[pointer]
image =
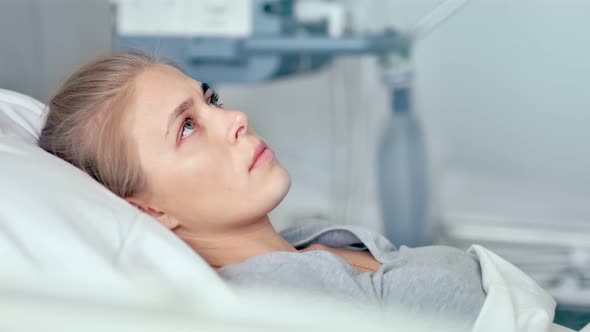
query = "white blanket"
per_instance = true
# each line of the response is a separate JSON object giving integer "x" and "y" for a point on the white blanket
{"x": 514, "y": 301}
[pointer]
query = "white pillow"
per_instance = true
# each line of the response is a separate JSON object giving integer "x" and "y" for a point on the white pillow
{"x": 54, "y": 218}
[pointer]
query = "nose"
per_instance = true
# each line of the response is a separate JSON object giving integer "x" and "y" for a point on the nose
{"x": 238, "y": 125}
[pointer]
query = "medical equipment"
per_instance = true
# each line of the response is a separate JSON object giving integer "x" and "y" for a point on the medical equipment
{"x": 275, "y": 38}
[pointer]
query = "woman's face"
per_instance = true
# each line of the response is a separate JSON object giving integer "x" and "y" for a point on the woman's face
{"x": 206, "y": 168}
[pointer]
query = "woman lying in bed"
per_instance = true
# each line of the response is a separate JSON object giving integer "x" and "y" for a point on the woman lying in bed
{"x": 163, "y": 142}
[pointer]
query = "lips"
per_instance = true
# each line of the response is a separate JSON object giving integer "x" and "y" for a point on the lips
{"x": 260, "y": 148}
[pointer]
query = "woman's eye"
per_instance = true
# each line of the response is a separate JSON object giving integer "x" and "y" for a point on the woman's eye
{"x": 188, "y": 126}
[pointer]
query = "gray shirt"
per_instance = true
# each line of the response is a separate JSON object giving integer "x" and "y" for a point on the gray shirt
{"x": 438, "y": 279}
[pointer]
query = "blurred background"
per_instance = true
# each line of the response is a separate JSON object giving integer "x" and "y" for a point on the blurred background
{"x": 451, "y": 122}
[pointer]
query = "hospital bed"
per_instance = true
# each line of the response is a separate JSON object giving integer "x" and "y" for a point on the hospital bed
{"x": 75, "y": 256}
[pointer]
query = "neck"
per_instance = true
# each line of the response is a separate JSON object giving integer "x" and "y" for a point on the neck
{"x": 236, "y": 245}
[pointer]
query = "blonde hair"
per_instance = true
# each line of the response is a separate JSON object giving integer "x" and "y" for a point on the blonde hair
{"x": 84, "y": 119}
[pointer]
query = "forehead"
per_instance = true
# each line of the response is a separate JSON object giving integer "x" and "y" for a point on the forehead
{"x": 161, "y": 85}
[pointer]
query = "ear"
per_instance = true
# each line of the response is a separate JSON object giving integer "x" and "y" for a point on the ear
{"x": 165, "y": 219}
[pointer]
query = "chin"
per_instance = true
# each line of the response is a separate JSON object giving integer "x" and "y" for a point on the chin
{"x": 275, "y": 191}
{"x": 266, "y": 198}
{"x": 279, "y": 188}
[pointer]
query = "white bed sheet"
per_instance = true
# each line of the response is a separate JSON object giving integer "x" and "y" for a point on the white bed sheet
{"x": 514, "y": 303}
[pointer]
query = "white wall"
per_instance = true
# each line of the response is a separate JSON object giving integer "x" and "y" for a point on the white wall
{"x": 503, "y": 91}
{"x": 41, "y": 41}
{"x": 505, "y": 84}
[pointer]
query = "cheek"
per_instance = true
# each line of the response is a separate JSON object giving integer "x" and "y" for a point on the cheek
{"x": 194, "y": 180}
{"x": 210, "y": 193}
{"x": 193, "y": 173}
